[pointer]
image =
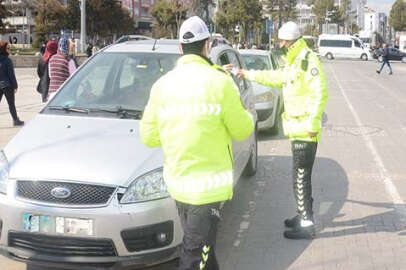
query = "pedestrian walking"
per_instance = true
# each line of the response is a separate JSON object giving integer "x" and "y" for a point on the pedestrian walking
{"x": 305, "y": 94}
{"x": 385, "y": 59}
{"x": 43, "y": 70}
{"x": 58, "y": 67}
{"x": 195, "y": 159}
{"x": 89, "y": 50}
{"x": 95, "y": 48}
{"x": 8, "y": 81}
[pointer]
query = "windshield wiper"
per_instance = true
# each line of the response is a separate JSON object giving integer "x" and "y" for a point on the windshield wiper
{"x": 69, "y": 109}
{"x": 122, "y": 112}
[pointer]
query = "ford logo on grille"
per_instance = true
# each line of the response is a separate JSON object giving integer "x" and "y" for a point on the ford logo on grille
{"x": 60, "y": 192}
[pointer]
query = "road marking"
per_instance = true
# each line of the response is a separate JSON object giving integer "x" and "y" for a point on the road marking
{"x": 383, "y": 172}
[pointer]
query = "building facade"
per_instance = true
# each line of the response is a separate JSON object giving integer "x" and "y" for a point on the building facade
{"x": 371, "y": 20}
{"x": 140, "y": 11}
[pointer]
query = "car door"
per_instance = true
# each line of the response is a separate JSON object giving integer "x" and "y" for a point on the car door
{"x": 243, "y": 149}
{"x": 394, "y": 54}
{"x": 357, "y": 49}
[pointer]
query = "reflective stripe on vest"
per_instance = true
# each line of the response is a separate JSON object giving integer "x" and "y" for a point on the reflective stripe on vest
{"x": 170, "y": 111}
{"x": 200, "y": 184}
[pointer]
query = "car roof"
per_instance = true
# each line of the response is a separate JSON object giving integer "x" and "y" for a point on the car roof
{"x": 254, "y": 52}
{"x": 170, "y": 46}
{"x": 161, "y": 45}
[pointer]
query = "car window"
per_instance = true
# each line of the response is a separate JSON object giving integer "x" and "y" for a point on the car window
{"x": 257, "y": 62}
{"x": 241, "y": 83}
{"x": 223, "y": 60}
{"x": 357, "y": 44}
{"x": 112, "y": 80}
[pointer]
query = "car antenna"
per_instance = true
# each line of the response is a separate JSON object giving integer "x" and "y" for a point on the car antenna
{"x": 153, "y": 47}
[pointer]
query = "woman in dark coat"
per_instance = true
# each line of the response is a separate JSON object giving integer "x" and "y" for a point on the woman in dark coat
{"x": 42, "y": 69}
{"x": 8, "y": 82}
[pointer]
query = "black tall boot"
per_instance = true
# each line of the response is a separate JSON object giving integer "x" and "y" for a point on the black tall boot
{"x": 18, "y": 122}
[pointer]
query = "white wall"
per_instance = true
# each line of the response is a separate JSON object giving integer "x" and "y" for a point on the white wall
{"x": 371, "y": 21}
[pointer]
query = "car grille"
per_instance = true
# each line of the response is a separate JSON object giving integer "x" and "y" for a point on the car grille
{"x": 81, "y": 194}
{"x": 144, "y": 238}
{"x": 61, "y": 246}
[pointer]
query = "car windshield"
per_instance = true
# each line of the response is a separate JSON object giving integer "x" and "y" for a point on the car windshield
{"x": 257, "y": 62}
{"x": 112, "y": 82}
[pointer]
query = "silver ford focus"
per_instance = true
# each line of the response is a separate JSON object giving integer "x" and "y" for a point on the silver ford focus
{"x": 78, "y": 189}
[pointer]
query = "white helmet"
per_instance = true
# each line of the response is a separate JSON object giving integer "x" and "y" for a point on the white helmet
{"x": 192, "y": 30}
{"x": 289, "y": 31}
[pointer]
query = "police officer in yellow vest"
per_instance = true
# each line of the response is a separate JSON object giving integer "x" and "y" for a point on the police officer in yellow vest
{"x": 193, "y": 113}
{"x": 305, "y": 94}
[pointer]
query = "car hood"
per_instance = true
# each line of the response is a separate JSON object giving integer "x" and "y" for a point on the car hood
{"x": 94, "y": 150}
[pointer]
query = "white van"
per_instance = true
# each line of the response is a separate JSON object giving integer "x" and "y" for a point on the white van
{"x": 342, "y": 46}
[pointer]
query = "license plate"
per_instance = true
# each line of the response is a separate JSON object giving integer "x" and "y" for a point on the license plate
{"x": 58, "y": 225}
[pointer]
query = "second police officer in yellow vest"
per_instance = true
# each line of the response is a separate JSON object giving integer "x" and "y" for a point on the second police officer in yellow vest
{"x": 198, "y": 167}
{"x": 304, "y": 90}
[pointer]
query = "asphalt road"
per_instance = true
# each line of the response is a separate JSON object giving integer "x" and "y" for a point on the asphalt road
{"x": 358, "y": 182}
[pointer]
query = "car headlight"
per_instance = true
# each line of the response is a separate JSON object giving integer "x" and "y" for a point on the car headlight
{"x": 265, "y": 97}
{"x": 150, "y": 186}
{"x": 3, "y": 173}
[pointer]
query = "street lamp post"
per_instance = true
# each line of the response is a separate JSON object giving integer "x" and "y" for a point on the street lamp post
{"x": 82, "y": 25}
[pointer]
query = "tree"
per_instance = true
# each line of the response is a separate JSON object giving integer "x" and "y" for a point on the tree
{"x": 73, "y": 15}
{"x": 245, "y": 13}
{"x": 321, "y": 9}
{"x": 345, "y": 11}
{"x": 3, "y": 14}
{"x": 104, "y": 18}
{"x": 179, "y": 10}
{"x": 397, "y": 17}
{"x": 169, "y": 16}
{"x": 162, "y": 12}
{"x": 201, "y": 8}
{"x": 49, "y": 20}
{"x": 281, "y": 11}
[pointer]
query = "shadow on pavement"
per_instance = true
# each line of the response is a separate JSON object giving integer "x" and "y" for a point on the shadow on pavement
{"x": 250, "y": 234}
{"x": 389, "y": 221}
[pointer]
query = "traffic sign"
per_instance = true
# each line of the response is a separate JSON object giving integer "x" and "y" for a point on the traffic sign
{"x": 269, "y": 27}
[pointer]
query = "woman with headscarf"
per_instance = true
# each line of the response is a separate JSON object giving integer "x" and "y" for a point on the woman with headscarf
{"x": 43, "y": 70}
{"x": 8, "y": 82}
{"x": 59, "y": 67}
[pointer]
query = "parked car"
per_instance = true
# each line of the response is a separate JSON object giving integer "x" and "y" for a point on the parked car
{"x": 78, "y": 189}
{"x": 131, "y": 37}
{"x": 394, "y": 55}
{"x": 342, "y": 46}
{"x": 218, "y": 39}
{"x": 268, "y": 101}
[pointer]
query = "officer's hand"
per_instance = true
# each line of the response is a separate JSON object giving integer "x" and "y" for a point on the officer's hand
{"x": 15, "y": 90}
{"x": 241, "y": 74}
{"x": 228, "y": 67}
{"x": 312, "y": 134}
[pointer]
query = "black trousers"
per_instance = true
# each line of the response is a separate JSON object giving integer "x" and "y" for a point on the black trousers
{"x": 199, "y": 223}
{"x": 10, "y": 97}
{"x": 304, "y": 154}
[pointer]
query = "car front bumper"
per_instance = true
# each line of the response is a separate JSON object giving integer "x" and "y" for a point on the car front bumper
{"x": 109, "y": 223}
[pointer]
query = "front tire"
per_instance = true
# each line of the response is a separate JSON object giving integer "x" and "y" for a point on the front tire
{"x": 329, "y": 56}
{"x": 364, "y": 57}
{"x": 252, "y": 165}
